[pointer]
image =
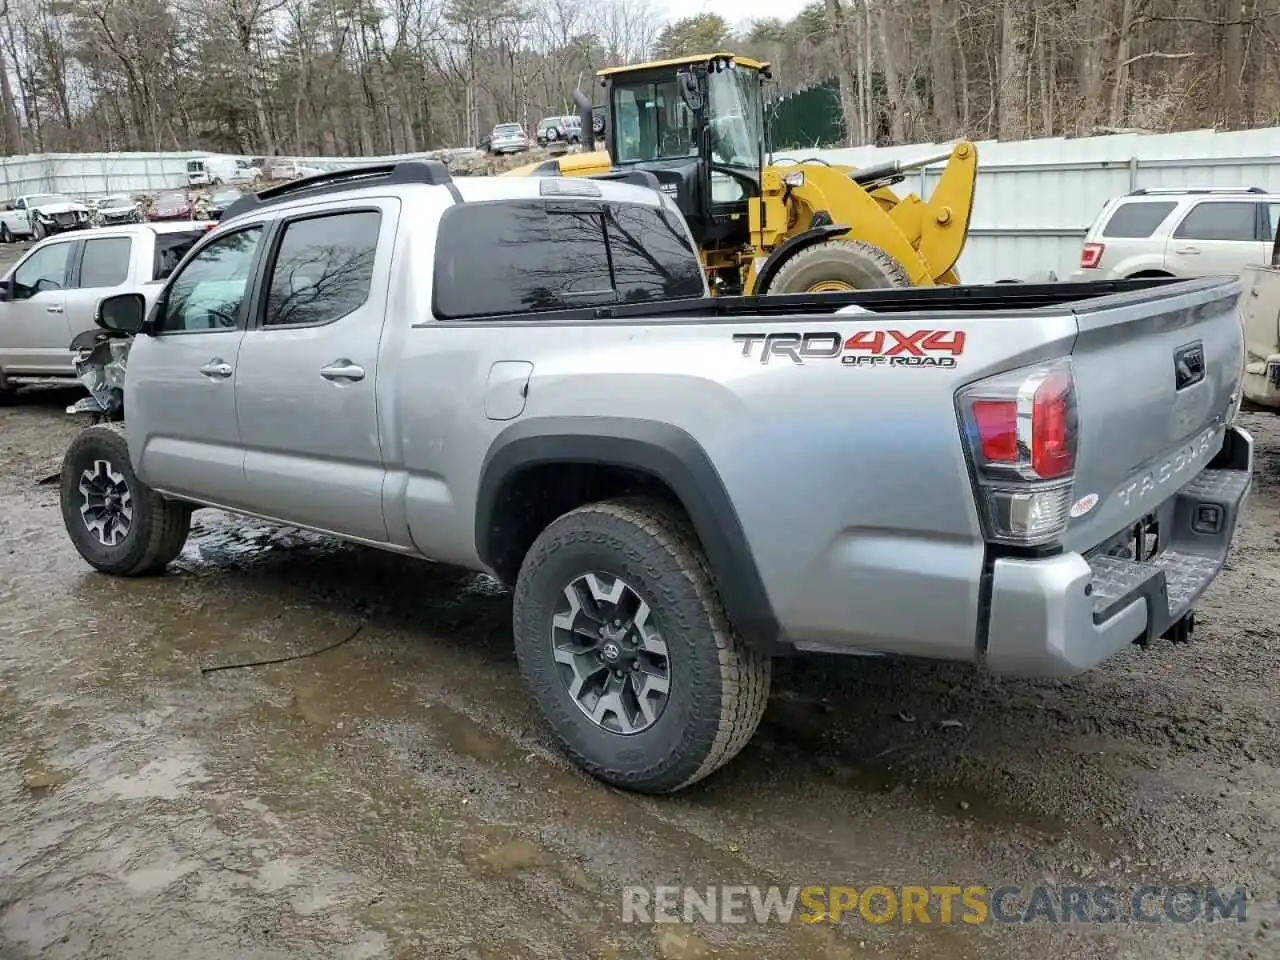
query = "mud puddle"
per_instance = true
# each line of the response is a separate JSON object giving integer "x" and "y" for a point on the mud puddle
{"x": 395, "y": 796}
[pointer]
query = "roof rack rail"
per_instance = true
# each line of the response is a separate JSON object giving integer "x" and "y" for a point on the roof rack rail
{"x": 1156, "y": 191}
{"x": 431, "y": 172}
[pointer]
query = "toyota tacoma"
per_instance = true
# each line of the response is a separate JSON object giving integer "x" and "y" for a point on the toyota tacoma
{"x": 526, "y": 377}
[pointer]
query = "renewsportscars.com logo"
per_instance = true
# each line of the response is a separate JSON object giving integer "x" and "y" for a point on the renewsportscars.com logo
{"x": 865, "y": 348}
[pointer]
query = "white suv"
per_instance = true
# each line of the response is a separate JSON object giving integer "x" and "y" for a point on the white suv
{"x": 1180, "y": 232}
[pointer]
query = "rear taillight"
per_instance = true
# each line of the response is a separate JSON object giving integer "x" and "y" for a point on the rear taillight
{"x": 1020, "y": 428}
{"x": 1091, "y": 255}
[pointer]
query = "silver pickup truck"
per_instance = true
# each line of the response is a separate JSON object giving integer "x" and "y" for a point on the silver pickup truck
{"x": 50, "y": 295}
{"x": 525, "y": 377}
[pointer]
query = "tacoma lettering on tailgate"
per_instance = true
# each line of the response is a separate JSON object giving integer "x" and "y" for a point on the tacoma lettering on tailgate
{"x": 1179, "y": 466}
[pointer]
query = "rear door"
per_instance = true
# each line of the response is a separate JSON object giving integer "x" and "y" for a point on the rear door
{"x": 180, "y": 392}
{"x": 35, "y": 338}
{"x": 307, "y": 373}
{"x": 103, "y": 267}
{"x": 1218, "y": 238}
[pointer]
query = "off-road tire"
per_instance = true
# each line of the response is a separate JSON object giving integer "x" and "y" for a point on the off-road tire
{"x": 862, "y": 265}
{"x": 718, "y": 684}
{"x": 159, "y": 526}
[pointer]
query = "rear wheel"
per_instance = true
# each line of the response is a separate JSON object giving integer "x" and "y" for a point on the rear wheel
{"x": 838, "y": 266}
{"x": 8, "y": 392}
{"x": 5, "y": 235}
{"x": 117, "y": 523}
{"x": 627, "y": 650}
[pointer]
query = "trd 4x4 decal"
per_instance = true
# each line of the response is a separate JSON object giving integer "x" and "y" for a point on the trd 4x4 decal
{"x": 865, "y": 348}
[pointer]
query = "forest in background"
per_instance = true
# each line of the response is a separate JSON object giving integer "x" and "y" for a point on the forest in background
{"x": 370, "y": 77}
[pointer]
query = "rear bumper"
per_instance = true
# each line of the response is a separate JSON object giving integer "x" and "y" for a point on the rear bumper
{"x": 1062, "y": 615}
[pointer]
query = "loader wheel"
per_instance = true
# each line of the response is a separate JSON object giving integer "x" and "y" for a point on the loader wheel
{"x": 623, "y": 640}
{"x": 838, "y": 266}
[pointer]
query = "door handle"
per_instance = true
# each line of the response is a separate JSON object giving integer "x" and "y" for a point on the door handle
{"x": 1190, "y": 251}
{"x": 54, "y": 309}
{"x": 342, "y": 370}
{"x": 217, "y": 369}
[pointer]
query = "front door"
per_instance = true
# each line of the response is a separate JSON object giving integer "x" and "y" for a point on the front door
{"x": 307, "y": 373}
{"x": 180, "y": 403}
{"x": 35, "y": 339}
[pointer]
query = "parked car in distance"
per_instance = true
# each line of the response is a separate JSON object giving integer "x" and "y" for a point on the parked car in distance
{"x": 1180, "y": 232}
{"x": 212, "y": 171}
{"x": 526, "y": 376}
{"x": 290, "y": 170}
{"x": 508, "y": 138}
{"x": 116, "y": 208}
{"x": 37, "y": 216}
{"x": 566, "y": 129}
{"x": 1260, "y": 312}
{"x": 171, "y": 205}
{"x": 218, "y": 202}
{"x": 50, "y": 295}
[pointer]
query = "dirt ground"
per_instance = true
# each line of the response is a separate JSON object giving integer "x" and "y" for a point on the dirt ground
{"x": 396, "y": 796}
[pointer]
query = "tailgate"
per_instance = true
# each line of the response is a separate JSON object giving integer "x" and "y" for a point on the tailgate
{"x": 1158, "y": 378}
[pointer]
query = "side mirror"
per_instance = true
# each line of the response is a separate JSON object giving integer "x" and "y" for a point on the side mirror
{"x": 121, "y": 313}
{"x": 689, "y": 91}
{"x": 6, "y": 291}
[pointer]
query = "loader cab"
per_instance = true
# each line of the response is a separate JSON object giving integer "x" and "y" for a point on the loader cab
{"x": 697, "y": 124}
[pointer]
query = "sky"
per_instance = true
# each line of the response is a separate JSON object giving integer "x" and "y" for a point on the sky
{"x": 735, "y": 11}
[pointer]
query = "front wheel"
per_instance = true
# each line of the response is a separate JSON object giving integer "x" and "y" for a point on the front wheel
{"x": 625, "y": 644}
{"x": 38, "y": 232}
{"x": 117, "y": 523}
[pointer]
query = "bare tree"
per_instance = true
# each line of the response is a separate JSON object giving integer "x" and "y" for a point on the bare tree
{"x": 388, "y": 76}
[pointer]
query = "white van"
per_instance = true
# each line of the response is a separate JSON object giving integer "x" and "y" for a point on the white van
{"x": 212, "y": 171}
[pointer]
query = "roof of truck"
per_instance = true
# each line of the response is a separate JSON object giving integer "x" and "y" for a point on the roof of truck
{"x": 479, "y": 189}
{"x": 385, "y": 177}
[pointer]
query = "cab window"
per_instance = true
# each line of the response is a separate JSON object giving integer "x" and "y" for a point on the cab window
{"x": 323, "y": 269}
{"x": 105, "y": 262}
{"x": 654, "y": 123}
{"x": 44, "y": 270}
{"x": 209, "y": 292}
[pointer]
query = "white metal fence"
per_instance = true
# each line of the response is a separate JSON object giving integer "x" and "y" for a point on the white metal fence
{"x": 87, "y": 175}
{"x": 1035, "y": 198}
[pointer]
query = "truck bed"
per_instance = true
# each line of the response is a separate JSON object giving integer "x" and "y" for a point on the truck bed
{"x": 1002, "y": 297}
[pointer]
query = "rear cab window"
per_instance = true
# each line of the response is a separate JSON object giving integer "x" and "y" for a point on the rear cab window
{"x": 517, "y": 257}
{"x": 1137, "y": 220}
{"x": 170, "y": 249}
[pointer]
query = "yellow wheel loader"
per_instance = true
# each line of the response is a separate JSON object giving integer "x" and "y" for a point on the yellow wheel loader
{"x": 695, "y": 128}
